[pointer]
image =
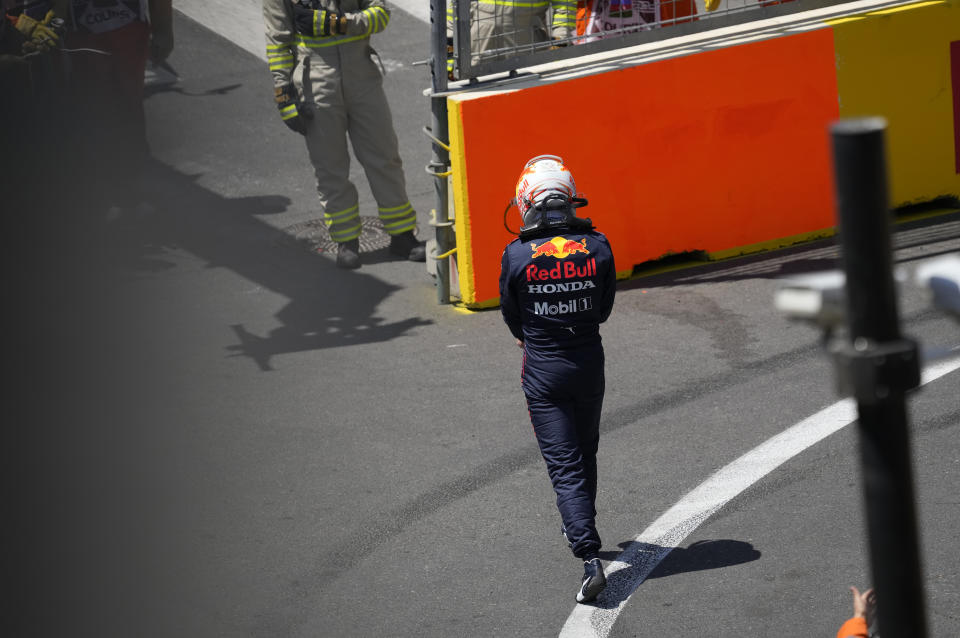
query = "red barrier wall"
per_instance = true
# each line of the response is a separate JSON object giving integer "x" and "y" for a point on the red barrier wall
{"x": 711, "y": 152}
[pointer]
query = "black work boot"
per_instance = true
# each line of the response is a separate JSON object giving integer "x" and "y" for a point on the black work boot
{"x": 406, "y": 245}
{"x": 593, "y": 581}
{"x": 348, "y": 254}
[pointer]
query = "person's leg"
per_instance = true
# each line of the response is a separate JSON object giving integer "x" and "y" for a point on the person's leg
{"x": 573, "y": 482}
{"x": 588, "y": 390}
{"x": 326, "y": 139}
{"x": 370, "y": 124}
{"x": 587, "y": 417}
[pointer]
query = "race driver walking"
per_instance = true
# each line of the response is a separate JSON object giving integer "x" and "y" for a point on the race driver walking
{"x": 557, "y": 285}
{"x": 328, "y": 86}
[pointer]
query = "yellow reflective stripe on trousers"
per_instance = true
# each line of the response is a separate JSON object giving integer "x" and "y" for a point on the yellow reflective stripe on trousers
{"x": 400, "y": 227}
{"x": 343, "y": 225}
{"x": 395, "y": 211}
{"x": 398, "y": 219}
{"x": 341, "y": 235}
{"x": 341, "y": 216}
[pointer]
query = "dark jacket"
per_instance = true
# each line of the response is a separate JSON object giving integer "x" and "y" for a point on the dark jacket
{"x": 556, "y": 288}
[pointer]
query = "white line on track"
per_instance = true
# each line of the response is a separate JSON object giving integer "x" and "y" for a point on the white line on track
{"x": 643, "y": 555}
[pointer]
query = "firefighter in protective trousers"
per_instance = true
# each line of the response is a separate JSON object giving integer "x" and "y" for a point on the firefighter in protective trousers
{"x": 328, "y": 86}
{"x": 557, "y": 285}
{"x": 510, "y": 24}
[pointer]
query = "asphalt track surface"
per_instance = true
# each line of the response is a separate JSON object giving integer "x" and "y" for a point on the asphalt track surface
{"x": 267, "y": 446}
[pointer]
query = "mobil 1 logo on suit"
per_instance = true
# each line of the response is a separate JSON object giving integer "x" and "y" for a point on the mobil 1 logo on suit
{"x": 580, "y": 304}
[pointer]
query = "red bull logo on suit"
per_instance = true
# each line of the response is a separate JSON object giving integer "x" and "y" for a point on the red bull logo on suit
{"x": 559, "y": 247}
{"x": 565, "y": 270}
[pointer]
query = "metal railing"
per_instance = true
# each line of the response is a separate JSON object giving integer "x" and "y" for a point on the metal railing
{"x": 486, "y": 37}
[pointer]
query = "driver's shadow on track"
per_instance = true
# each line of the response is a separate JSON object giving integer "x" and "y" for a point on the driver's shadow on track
{"x": 647, "y": 560}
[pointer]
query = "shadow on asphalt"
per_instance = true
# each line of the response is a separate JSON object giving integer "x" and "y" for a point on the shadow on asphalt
{"x": 801, "y": 259}
{"x": 705, "y": 554}
{"x": 149, "y": 90}
{"x": 647, "y": 560}
{"x": 327, "y": 307}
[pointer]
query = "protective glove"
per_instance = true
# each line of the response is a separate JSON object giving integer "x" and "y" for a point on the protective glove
{"x": 42, "y": 36}
{"x": 293, "y": 115}
{"x": 320, "y": 23}
{"x": 711, "y": 5}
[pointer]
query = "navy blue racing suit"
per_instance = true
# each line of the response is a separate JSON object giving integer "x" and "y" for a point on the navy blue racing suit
{"x": 556, "y": 288}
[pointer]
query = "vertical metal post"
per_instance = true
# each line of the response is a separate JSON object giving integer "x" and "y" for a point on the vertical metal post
{"x": 462, "y": 39}
{"x": 880, "y": 366}
{"x": 440, "y": 158}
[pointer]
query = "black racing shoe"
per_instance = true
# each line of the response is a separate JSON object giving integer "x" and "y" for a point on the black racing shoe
{"x": 593, "y": 581}
{"x": 406, "y": 245}
{"x": 348, "y": 254}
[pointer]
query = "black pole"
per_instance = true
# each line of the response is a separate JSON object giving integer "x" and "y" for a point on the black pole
{"x": 878, "y": 366}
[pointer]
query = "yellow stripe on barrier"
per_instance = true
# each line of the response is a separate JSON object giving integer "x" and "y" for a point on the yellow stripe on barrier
{"x": 458, "y": 168}
{"x": 908, "y": 7}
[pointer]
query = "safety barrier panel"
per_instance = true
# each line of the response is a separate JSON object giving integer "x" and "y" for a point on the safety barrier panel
{"x": 715, "y": 142}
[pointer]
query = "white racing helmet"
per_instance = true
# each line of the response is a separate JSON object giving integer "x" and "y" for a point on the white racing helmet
{"x": 543, "y": 176}
{"x": 546, "y": 183}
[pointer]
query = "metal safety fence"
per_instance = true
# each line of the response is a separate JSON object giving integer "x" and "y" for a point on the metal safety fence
{"x": 485, "y": 37}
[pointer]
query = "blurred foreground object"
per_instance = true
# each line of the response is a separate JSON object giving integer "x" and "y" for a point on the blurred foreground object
{"x": 942, "y": 277}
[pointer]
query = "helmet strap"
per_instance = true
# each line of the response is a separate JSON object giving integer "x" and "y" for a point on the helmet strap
{"x": 556, "y": 204}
